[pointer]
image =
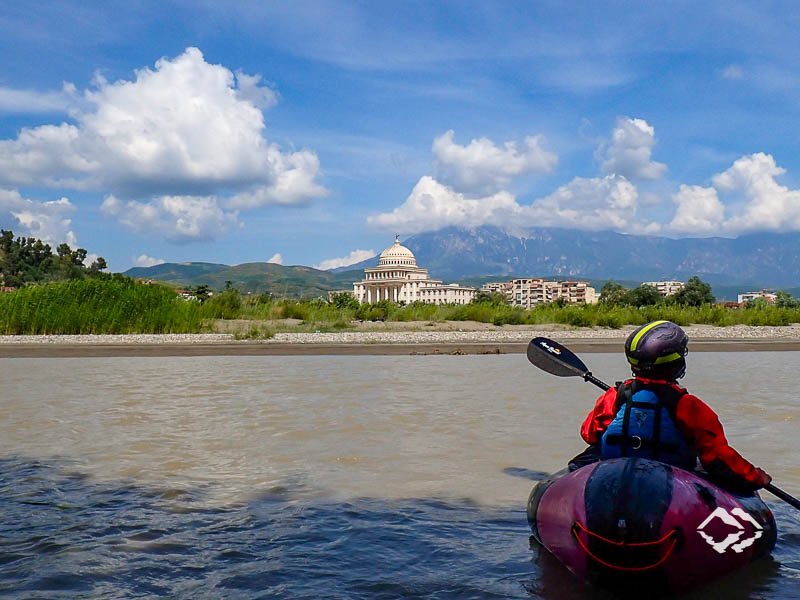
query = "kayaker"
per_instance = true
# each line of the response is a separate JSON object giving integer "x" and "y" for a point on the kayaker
{"x": 651, "y": 416}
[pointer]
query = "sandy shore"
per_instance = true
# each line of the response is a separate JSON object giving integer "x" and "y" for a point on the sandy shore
{"x": 439, "y": 338}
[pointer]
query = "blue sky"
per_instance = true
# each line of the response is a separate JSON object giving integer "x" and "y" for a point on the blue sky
{"x": 311, "y": 132}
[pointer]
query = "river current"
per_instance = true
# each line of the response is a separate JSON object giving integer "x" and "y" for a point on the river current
{"x": 330, "y": 476}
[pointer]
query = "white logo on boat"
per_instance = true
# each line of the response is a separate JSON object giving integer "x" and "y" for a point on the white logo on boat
{"x": 729, "y": 518}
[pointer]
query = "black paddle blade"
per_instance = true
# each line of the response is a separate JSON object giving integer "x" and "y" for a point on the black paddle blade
{"x": 554, "y": 358}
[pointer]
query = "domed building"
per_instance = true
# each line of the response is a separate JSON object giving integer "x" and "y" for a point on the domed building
{"x": 397, "y": 278}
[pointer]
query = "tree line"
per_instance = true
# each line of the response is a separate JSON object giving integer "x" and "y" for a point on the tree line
{"x": 29, "y": 260}
{"x": 694, "y": 293}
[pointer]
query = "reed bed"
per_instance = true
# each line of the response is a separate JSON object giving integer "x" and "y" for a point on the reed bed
{"x": 92, "y": 306}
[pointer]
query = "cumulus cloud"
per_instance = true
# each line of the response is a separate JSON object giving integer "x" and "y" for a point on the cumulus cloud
{"x": 767, "y": 205}
{"x": 433, "y": 205}
{"x": 184, "y": 129}
{"x": 630, "y": 151}
{"x": 147, "y": 261}
{"x": 597, "y": 203}
{"x": 356, "y": 256}
{"x": 276, "y": 259}
{"x": 293, "y": 183}
{"x": 699, "y": 210}
{"x": 482, "y": 166}
{"x": 178, "y": 218}
{"x": 47, "y": 221}
{"x": 250, "y": 91}
{"x": 609, "y": 202}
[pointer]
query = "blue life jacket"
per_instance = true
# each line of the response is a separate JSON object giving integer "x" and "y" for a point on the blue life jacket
{"x": 644, "y": 425}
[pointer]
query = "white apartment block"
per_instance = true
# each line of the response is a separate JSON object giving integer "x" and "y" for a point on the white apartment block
{"x": 527, "y": 292}
{"x": 498, "y": 287}
{"x": 446, "y": 294}
{"x": 666, "y": 288}
{"x": 767, "y": 295}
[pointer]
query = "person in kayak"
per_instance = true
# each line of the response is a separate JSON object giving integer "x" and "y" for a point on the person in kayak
{"x": 650, "y": 416}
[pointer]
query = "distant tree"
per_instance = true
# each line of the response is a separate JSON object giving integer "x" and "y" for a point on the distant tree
{"x": 694, "y": 293}
{"x": 644, "y": 295}
{"x": 760, "y": 303}
{"x": 786, "y": 300}
{"x": 25, "y": 260}
{"x": 344, "y": 301}
{"x": 493, "y": 298}
{"x": 612, "y": 293}
{"x": 79, "y": 256}
{"x": 202, "y": 292}
{"x": 98, "y": 265}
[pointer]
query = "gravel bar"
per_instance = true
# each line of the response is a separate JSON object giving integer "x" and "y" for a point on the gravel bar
{"x": 499, "y": 340}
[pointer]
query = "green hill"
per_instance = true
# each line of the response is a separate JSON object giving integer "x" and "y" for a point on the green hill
{"x": 175, "y": 272}
{"x": 257, "y": 278}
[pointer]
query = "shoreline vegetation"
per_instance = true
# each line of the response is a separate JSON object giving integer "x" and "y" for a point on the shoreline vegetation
{"x": 54, "y": 294}
{"x": 120, "y": 305}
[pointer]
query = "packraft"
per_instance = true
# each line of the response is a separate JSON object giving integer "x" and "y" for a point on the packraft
{"x": 626, "y": 522}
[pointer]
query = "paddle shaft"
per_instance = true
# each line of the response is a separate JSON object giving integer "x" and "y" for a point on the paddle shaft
{"x": 592, "y": 379}
{"x": 783, "y": 495}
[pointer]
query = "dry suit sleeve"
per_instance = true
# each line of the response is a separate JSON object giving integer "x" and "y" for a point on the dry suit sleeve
{"x": 598, "y": 420}
{"x": 702, "y": 427}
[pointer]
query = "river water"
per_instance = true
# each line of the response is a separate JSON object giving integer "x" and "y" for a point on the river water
{"x": 329, "y": 476}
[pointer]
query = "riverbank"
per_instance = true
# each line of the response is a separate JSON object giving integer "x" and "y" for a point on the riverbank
{"x": 420, "y": 338}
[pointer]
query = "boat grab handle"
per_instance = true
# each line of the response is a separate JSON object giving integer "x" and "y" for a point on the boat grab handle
{"x": 577, "y": 527}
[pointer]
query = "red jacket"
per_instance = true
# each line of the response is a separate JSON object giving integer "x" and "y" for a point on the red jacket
{"x": 697, "y": 422}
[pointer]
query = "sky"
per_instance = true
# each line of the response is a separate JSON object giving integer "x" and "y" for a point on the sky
{"x": 311, "y": 132}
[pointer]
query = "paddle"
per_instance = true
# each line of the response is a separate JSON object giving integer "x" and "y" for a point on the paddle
{"x": 558, "y": 360}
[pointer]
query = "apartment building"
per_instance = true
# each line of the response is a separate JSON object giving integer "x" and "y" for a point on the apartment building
{"x": 769, "y": 295}
{"x": 526, "y": 292}
{"x": 666, "y": 288}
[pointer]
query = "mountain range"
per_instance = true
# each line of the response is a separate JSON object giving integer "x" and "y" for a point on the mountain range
{"x": 473, "y": 256}
{"x": 771, "y": 260}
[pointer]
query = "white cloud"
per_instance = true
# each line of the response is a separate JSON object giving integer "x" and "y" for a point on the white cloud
{"x": 178, "y": 218}
{"x": 733, "y": 72}
{"x": 630, "y": 151}
{"x": 47, "y": 221}
{"x": 293, "y": 182}
{"x": 767, "y": 206}
{"x": 598, "y": 203}
{"x": 483, "y": 167}
{"x": 250, "y": 91}
{"x": 276, "y": 259}
{"x": 356, "y": 256}
{"x": 432, "y": 206}
{"x": 182, "y": 129}
{"x": 31, "y": 101}
{"x": 699, "y": 210}
{"x": 147, "y": 261}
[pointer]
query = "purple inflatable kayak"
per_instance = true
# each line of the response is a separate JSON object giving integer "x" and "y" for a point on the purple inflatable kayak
{"x": 623, "y": 522}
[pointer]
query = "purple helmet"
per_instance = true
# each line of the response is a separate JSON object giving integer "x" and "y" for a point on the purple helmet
{"x": 658, "y": 350}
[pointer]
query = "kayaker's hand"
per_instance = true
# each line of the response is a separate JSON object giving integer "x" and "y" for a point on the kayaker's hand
{"x": 764, "y": 478}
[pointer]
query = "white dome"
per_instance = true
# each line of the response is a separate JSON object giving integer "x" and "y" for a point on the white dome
{"x": 397, "y": 254}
